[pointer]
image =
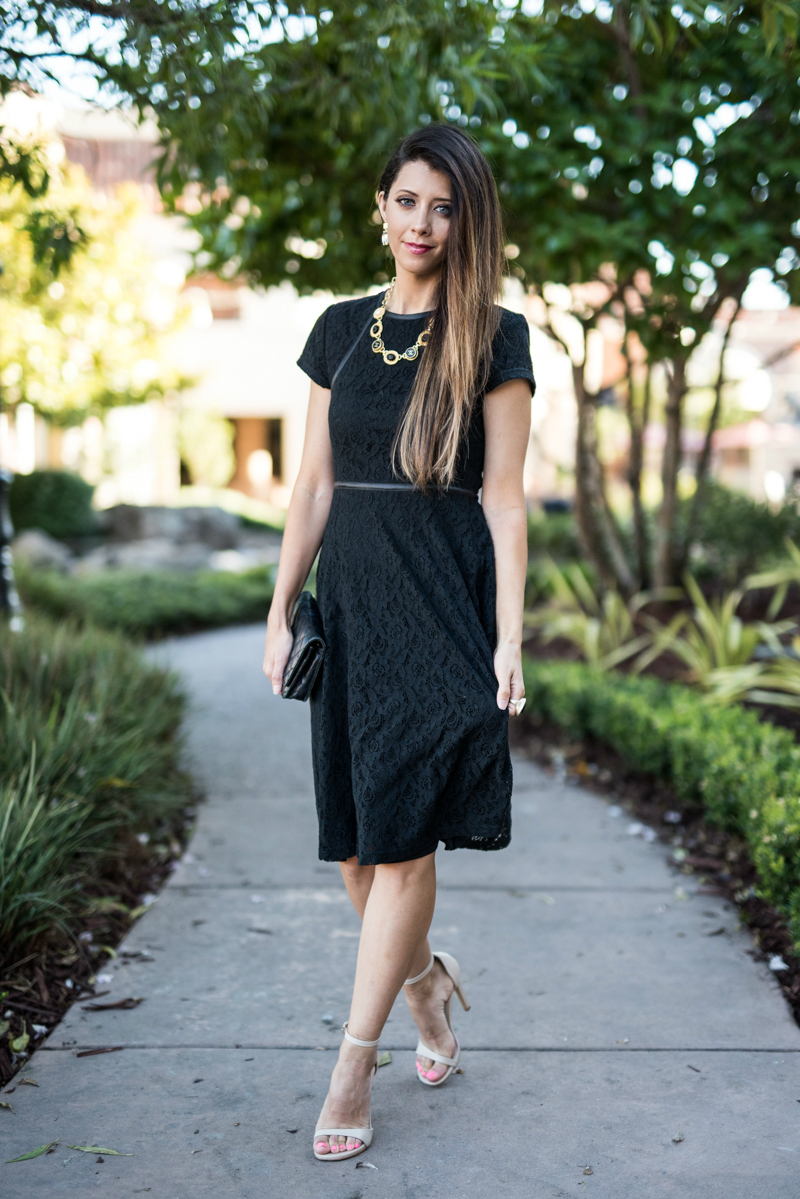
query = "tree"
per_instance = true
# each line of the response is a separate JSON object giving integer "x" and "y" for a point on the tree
{"x": 662, "y": 169}
{"x": 84, "y": 319}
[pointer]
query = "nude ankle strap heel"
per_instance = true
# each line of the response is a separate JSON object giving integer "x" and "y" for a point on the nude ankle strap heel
{"x": 355, "y": 1040}
{"x": 453, "y": 970}
{"x": 358, "y": 1134}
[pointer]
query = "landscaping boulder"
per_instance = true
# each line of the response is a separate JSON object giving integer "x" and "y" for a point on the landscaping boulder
{"x": 213, "y": 527}
{"x": 39, "y": 551}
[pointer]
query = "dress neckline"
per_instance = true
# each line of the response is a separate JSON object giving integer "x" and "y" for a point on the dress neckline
{"x": 407, "y": 316}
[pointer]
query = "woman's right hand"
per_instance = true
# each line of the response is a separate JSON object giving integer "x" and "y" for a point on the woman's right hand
{"x": 276, "y": 655}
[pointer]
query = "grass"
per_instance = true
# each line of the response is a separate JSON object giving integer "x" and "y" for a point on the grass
{"x": 89, "y": 745}
{"x": 151, "y": 603}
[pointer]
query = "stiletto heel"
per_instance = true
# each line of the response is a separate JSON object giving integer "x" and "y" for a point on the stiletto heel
{"x": 452, "y": 969}
{"x": 359, "y": 1134}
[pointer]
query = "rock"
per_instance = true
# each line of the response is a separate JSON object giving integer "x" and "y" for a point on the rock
{"x": 148, "y": 553}
{"x": 40, "y": 551}
{"x": 213, "y": 527}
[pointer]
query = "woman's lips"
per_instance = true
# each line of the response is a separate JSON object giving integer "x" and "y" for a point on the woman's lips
{"x": 417, "y": 247}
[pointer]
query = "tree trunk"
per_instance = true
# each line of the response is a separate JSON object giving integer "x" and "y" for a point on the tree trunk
{"x": 637, "y": 423}
{"x": 704, "y": 461}
{"x": 599, "y": 536}
{"x": 666, "y": 535}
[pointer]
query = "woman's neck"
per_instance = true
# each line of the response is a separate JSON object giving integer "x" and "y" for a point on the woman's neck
{"x": 413, "y": 293}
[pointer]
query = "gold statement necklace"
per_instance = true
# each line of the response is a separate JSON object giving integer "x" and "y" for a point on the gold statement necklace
{"x": 392, "y": 357}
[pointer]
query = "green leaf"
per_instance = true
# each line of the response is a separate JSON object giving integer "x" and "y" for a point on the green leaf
{"x": 7, "y": 1106}
{"x": 4, "y": 1026}
{"x": 384, "y": 1058}
{"x": 24, "y": 1157}
{"x": 20, "y": 1043}
{"x": 97, "y": 1149}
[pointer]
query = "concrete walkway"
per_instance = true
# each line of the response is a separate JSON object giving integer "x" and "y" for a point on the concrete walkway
{"x": 608, "y": 1021}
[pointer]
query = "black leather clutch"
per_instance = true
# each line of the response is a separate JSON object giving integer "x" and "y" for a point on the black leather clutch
{"x": 308, "y": 649}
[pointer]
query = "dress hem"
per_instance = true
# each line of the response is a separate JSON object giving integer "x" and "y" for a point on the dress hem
{"x": 486, "y": 844}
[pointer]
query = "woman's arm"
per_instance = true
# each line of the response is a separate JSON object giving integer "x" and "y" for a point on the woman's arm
{"x": 507, "y": 420}
{"x": 305, "y": 527}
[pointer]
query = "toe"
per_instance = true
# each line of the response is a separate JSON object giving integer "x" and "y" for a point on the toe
{"x": 322, "y": 1146}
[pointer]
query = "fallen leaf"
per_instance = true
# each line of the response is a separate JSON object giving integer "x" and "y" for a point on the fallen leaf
{"x": 199, "y": 1080}
{"x": 678, "y": 1138}
{"x": 92, "y": 1052}
{"x": 123, "y": 1005}
{"x": 292, "y": 1130}
{"x": 624, "y": 1041}
{"x": 8, "y": 1107}
{"x": 4, "y": 1027}
{"x": 776, "y": 963}
{"x": 588, "y": 1170}
{"x": 267, "y": 931}
{"x": 27, "y": 1082}
{"x": 694, "y": 1068}
{"x": 24, "y": 1157}
{"x": 20, "y": 1043}
{"x": 384, "y": 1058}
{"x": 97, "y": 1149}
{"x": 365, "y": 1166}
{"x": 100, "y": 1160}
{"x": 548, "y": 899}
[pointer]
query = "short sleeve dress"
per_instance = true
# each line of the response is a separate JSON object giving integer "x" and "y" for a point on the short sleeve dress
{"x": 409, "y": 746}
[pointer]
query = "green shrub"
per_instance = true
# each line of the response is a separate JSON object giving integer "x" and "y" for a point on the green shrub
{"x": 57, "y": 501}
{"x": 89, "y": 745}
{"x": 152, "y": 603}
{"x": 737, "y": 535}
{"x": 745, "y": 773}
{"x": 555, "y": 534}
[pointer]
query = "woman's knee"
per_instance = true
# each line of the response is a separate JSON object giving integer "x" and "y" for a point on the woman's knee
{"x": 351, "y": 869}
{"x": 404, "y": 874}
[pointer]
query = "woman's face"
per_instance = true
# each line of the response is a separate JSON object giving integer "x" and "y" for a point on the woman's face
{"x": 417, "y": 212}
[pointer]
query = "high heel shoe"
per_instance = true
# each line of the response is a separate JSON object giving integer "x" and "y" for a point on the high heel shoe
{"x": 360, "y": 1134}
{"x": 452, "y": 969}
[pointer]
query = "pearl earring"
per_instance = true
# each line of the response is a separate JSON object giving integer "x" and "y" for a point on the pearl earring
{"x": 385, "y": 235}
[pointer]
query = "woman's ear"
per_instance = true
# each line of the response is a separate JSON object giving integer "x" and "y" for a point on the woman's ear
{"x": 381, "y": 198}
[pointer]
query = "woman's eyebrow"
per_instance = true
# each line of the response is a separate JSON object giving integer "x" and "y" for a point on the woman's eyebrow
{"x": 436, "y": 200}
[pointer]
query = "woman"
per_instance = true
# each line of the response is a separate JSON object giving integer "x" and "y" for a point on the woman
{"x": 419, "y": 398}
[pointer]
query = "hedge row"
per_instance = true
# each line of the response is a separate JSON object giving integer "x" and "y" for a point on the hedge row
{"x": 744, "y": 772}
{"x": 151, "y": 603}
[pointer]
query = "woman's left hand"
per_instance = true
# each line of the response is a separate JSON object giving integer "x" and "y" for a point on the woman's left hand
{"x": 510, "y": 687}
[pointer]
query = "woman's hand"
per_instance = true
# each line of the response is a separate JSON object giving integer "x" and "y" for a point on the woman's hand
{"x": 508, "y": 669}
{"x": 276, "y": 655}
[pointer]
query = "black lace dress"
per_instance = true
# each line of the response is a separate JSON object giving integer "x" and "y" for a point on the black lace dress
{"x": 409, "y": 746}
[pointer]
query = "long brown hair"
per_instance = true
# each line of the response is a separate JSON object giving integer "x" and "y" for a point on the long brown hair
{"x": 454, "y": 366}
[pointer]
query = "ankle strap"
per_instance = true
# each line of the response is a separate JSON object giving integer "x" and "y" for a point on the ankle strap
{"x": 420, "y": 977}
{"x": 355, "y": 1040}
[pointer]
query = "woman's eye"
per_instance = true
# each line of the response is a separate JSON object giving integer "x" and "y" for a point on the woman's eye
{"x": 443, "y": 208}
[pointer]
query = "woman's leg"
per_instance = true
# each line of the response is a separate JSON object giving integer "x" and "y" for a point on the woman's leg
{"x": 397, "y": 915}
{"x": 425, "y": 999}
{"x": 358, "y": 881}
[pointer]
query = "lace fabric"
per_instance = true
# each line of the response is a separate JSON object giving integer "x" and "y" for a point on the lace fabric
{"x": 409, "y": 746}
